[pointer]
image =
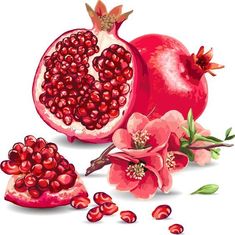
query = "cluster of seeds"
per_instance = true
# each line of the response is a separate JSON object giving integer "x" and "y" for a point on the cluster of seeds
{"x": 40, "y": 167}
{"x": 105, "y": 206}
{"x": 72, "y": 94}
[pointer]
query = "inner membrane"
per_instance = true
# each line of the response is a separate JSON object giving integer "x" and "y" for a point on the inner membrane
{"x": 73, "y": 94}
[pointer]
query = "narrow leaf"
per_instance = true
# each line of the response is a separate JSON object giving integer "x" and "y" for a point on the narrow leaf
{"x": 230, "y": 137}
{"x": 186, "y": 130}
{"x": 227, "y": 133}
{"x": 211, "y": 139}
{"x": 207, "y": 189}
{"x": 191, "y": 125}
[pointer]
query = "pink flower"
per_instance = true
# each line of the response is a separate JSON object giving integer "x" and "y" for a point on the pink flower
{"x": 140, "y": 176}
{"x": 175, "y": 121}
{"x": 142, "y": 137}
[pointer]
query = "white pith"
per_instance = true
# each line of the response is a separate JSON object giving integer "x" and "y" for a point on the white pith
{"x": 105, "y": 39}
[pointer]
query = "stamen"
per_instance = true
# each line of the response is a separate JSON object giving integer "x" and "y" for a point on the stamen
{"x": 171, "y": 164}
{"x": 136, "y": 171}
{"x": 140, "y": 139}
{"x": 107, "y": 22}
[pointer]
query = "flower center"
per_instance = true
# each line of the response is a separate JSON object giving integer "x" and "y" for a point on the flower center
{"x": 170, "y": 162}
{"x": 140, "y": 139}
{"x": 136, "y": 171}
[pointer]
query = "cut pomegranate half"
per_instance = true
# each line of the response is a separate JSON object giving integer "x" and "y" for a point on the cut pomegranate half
{"x": 41, "y": 177}
{"x": 87, "y": 81}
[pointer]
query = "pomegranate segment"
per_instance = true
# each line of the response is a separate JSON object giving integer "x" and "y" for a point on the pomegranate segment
{"x": 87, "y": 80}
{"x": 38, "y": 180}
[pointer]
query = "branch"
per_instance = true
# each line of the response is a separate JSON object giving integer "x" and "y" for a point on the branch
{"x": 100, "y": 162}
{"x": 209, "y": 147}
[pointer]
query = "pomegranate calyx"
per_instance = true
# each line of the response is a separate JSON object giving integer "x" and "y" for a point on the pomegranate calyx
{"x": 201, "y": 62}
{"x": 105, "y": 21}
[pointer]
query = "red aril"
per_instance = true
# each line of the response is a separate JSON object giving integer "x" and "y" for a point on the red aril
{"x": 33, "y": 184}
{"x": 101, "y": 197}
{"x": 128, "y": 216}
{"x": 161, "y": 212}
{"x": 94, "y": 214}
{"x": 177, "y": 78}
{"x": 80, "y": 202}
{"x": 108, "y": 208}
{"x": 176, "y": 228}
{"x": 89, "y": 82}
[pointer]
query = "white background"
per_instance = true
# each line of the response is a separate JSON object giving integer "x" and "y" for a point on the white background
{"x": 28, "y": 27}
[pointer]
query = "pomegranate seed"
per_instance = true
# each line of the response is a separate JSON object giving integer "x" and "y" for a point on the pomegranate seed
{"x": 14, "y": 156}
{"x": 55, "y": 187}
{"x": 30, "y": 141}
{"x": 128, "y": 216}
{"x": 120, "y": 79}
{"x": 108, "y": 73}
{"x": 34, "y": 192}
{"x": 128, "y": 73}
{"x": 95, "y": 96}
{"x": 37, "y": 170}
{"x": 10, "y": 168}
{"x": 47, "y": 152}
{"x": 101, "y": 197}
{"x": 26, "y": 153}
{"x": 18, "y": 147}
{"x": 110, "y": 64}
{"x": 40, "y": 143}
{"x": 80, "y": 202}
{"x": 161, "y": 212}
{"x": 37, "y": 157}
{"x": 114, "y": 113}
{"x": 20, "y": 185}
{"x": 107, "y": 86}
{"x": 43, "y": 183}
{"x": 106, "y": 95}
{"x": 114, "y": 104}
{"x": 52, "y": 145}
{"x": 94, "y": 214}
{"x": 86, "y": 120}
{"x": 124, "y": 89}
{"x": 25, "y": 166}
{"x": 107, "y": 53}
{"x": 71, "y": 101}
{"x": 59, "y": 114}
{"x": 176, "y": 229}
{"x": 81, "y": 112}
{"x": 57, "y": 157}
{"x": 122, "y": 100}
{"x": 49, "y": 163}
{"x": 115, "y": 93}
{"x": 66, "y": 180}
{"x": 68, "y": 120}
{"x": 98, "y": 86}
{"x": 66, "y": 41}
{"x": 30, "y": 180}
{"x": 50, "y": 175}
{"x": 90, "y": 105}
{"x": 65, "y": 164}
{"x": 103, "y": 107}
{"x": 108, "y": 208}
{"x": 127, "y": 57}
{"x": 123, "y": 64}
{"x": 60, "y": 169}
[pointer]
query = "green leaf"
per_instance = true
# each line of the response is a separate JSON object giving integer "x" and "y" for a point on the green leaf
{"x": 207, "y": 189}
{"x": 230, "y": 137}
{"x": 189, "y": 153}
{"x": 210, "y": 139}
{"x": 191, "y": 125}
{"x": 215, "y": 153}
{"x": 186, "y": 130}
{"x": 227, "y": 133}
{"x": 184, "y": 143}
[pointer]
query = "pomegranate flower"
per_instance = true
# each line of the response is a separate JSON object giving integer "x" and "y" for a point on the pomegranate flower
{"x": 176, "y": 122}
{"x": 140, "y": 176}
{"x": 142, "y": 137}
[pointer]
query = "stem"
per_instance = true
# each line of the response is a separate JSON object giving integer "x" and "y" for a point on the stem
{"x": 100, "y": 162}
{"x": 209, "y": 147}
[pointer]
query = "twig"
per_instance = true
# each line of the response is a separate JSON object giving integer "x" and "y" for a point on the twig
{"x": 209, "y": 147}
{"x": 100, "y": 162}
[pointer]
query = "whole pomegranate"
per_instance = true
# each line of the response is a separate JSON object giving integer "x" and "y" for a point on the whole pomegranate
{"x": 41, "y": 177}
{"x": 87, "y": 81}
{"x": 177, "y": 78}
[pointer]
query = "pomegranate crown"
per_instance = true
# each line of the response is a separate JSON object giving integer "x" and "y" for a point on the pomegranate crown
{"x": 104, "y": 20}
{"x": 202, "y": 62}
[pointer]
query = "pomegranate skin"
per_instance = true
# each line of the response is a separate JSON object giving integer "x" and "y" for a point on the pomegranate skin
{"x": 174, "y": 84}
{"x": 47, "y": 199}
{"x": 136, "y": 99}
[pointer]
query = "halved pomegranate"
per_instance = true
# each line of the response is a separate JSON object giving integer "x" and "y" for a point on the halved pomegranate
{"x": 87, "y": 81}
{"x": 41, "y": 177}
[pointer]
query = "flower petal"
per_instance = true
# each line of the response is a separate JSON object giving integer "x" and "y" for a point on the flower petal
{"x": 117, "y": 175}
{"x": 136, "y": 122}
{"x": 146, "y": 187}
{"x": 174, "y": 142}
{"x": 174, "y": 119}
{"x": 122, "y": 139}
{"x": 137, "y": 153}
{"x": 116, "y": 157}
{"x": 155, "y": 161}
{"x": 166, "y": 179}
{"x": 159, "y": 133}
{"x": 181, "y": 161}
{"x": 202, "y": 130}
{"x": 202, "y": 157}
